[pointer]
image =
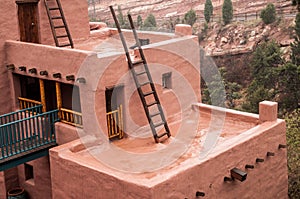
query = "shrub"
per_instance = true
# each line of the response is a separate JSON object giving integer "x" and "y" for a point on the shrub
{"x": 268, "y": 15}
{"x": 190, "y": 17}
{"x": 150, "y": 21}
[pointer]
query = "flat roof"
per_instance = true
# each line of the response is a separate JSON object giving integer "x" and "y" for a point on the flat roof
{"x": 142, "y": 161}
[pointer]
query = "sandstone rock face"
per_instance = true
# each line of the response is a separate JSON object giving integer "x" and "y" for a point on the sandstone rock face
{"x": 238, "y": 38}
{"x": 164, "y": 9}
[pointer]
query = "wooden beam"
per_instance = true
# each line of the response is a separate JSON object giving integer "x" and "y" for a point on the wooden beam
{"x": 58, "y": 97}
{"x": 43, "y": 96}
{"x": 26, "y": 1}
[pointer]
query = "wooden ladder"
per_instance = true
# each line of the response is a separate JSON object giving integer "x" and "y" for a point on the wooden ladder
{"x": 144, "y": 84}
{"x": 58, "y": 24}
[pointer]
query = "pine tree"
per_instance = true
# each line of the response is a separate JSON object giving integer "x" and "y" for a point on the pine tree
{"x": 139, "y": 21}
{"x": 295, "y": 46}
{"x": 190, "y": 17}
{"x": 208, "y": 10}
{"x": 150, "y": 21}
{"x": 268, "y": 15}
{"x": 265, "y": 64}
{"x": 120, "y": 16}
{"x": 227, "y": 11}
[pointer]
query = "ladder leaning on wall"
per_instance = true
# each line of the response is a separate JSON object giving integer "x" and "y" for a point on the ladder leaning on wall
{"x": 58, "y": 24}
{"x": 145, "y": 85}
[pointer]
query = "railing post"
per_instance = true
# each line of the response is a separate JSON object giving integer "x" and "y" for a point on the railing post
{"x": 43, "y": 96}
{"x": 58, "y": 98}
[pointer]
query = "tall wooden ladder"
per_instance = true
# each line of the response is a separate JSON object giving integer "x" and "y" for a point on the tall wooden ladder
{"x": 145, "y": 86}
{"x": 58, "y": 24}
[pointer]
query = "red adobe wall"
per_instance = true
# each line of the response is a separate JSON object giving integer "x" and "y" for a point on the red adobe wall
{"x": 77, "y": 18}
{"x": 76, "y": 13}
{"x": 73, "y": 168}
{"x": 112, "y": 70}
{"x": 40, "y": 186}
{"x": 9, "y": 30}
{"x": 2, "y": 185}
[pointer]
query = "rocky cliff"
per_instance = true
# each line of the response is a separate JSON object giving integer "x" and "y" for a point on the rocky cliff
{"x": 163, "y": 9}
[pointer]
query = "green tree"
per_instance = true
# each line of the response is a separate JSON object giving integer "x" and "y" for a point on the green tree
{"x": 208, "y": 10}
{"x": 288, "y": 86}
{"x": 227, "y": 11}
{"x": 139, "y": 21}
{"x": 265, "y": 62}
{"x": 190, "y": 17}
{"x": 293, "y": 142}
{"x": 232, "y": 89}
{"x": 268, "y": 15}
{"x": 120, "y": 16}
{"x": 122, "y": 20}
{"x": 295, "y": 46}
{"x": 150, "y": 21}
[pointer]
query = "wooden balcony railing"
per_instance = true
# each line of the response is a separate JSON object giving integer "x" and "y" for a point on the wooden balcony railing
{"x": 115, "y": 123}
{"x": 27, "y": 103}
{"x": 66, "y": 116}
{"x": 70, "y": 117}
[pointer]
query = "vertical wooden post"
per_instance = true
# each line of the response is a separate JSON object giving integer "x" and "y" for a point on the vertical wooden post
{"x": 121, "y": 121}
{"x": 43, "y": 96}
{"x": 58, "y": 97}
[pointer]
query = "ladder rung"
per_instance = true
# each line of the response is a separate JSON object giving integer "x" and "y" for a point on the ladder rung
{"x": 152, "y": 103}
{"x": 59, "y": 26}
{"x": 165, "y": 133}
{"x": 149, "y": 93}
{"x": 141, "y": 73}
{"x": 159, "y": 124}
{"x": 154, "y": 114}
{"x": 54, "y": 8}
{"x": 138, "y": 62}
{"x": 64, "y": 45}
{"x": 61, "y": 36}
{"x": 56, "y": 17}
{"x": 145, "y": 83}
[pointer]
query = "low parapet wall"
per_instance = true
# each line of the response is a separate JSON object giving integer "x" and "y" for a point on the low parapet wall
{"x": 74, "y": 168}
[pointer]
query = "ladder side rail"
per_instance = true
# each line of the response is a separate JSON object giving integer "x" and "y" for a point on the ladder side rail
{"x": 51, "y": 23}
{"x": 133, "y": 72}
{"x": 121, "y": 36}
{"x": 65, "y": 23}
{"x": 148, "y": 74}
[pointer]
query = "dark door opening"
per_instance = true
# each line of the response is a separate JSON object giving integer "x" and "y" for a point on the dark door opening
{"x": 50, "y": 95}
{"x": 30, "y": 88}
{"x": 114, "y": 98}
{"x": 70, "y": 97}
{"x": 28, "y": 20}
{"x": 114, "y": 114}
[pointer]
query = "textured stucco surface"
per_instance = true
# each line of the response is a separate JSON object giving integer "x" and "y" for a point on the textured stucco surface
{"x": 40, "y": 186}
{"x": 2, "y": 185}
{"x": 187, "y": 175}
{"x": 76, "y": 15}
{"x": 9, "y": 30}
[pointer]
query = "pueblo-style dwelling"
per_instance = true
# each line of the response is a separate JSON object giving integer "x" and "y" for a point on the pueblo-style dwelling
{"x": 82, "y": 119}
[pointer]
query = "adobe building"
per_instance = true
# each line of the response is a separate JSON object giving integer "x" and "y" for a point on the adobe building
{"x": 73, "y": 124}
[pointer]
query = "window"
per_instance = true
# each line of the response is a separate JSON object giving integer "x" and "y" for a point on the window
{"x": 167, "y": 80}
{"x": 28, "y": 172}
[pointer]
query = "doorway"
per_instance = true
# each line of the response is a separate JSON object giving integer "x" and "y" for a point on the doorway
{"x": 28, "y": 20}
{"x": 114, "y": 97}
{"x": 50, "y": 94}
{"x": 30, "y": 87}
